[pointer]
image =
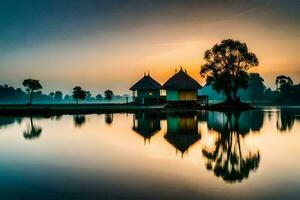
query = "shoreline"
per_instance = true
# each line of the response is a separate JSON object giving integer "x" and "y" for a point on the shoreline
{"x": 60, "y": 109}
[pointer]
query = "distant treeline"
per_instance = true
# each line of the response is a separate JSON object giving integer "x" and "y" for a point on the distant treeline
{"x": 11, "y": 95}
{"x": 286, "y": 92}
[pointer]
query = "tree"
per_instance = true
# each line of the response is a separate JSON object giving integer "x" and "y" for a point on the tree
{"x": 88, "y": 95}
{"x": 78, "y": 94}
{"x": 51, "y": 95}
{"x": 58, "y": 96}
{"x": 226, "y": 67}
{"x": 284, "y": 84}
{"x": 99, "y": 97}
{"x": 256, "y": 86}
{"x": 108, "y": 95}
{"x": 31, "y": 85}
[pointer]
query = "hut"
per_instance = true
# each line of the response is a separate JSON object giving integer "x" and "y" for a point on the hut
{"x": 146, "y": 91}
{"x": 181, "y": 89}
{"x": 146, "y": 124}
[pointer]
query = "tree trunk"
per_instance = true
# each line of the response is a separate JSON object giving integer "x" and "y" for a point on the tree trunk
{"x": 235, "y": 91}
{"x": 30, "y": 99}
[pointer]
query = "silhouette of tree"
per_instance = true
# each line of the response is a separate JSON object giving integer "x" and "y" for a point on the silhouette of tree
{"x": 32, "y": 131}
{"x": 79, "y": 120}
{"x": 256, "y": 86}
{"x": 282, "y": 81}
{"x": 51, "y": 95}
{"x": 78, "y": 94}
{"x": 58, "y": 96}
{"x": 88, "y": 96}
{"x": 226, "y": 67}
{"x": 229, "y": 158}
{"x": 99, "y": 97}
{"x": 67, "y": 98}
{"x": 288, "y": 93}
{"x": 108, "y": 95}
{"x": 284, "y": 84}
{"x": 31, "y": 85}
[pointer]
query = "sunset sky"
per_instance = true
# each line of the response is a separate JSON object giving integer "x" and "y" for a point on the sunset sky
{"x": 109, "y": 44}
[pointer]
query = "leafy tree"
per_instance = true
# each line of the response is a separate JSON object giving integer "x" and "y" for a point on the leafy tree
{"x": 99, "y": 97}
{"x": 257, "y": 87}
{"x": 288, "y": 92}
{"x": 58, "y": 96}
{"x": 226, "y": 67}
{"x": 67, "y": 98}
{"x": 108, "y": 95}
{"x": 31, "y": 85}
{"x": 51, "y": 95}
{"x": 88, "y": 95}
{"x": 78, "y": 94}
{"x": 284, "y": 84}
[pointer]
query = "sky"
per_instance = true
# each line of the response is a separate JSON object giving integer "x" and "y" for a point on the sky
{"x": 110, "y": 44}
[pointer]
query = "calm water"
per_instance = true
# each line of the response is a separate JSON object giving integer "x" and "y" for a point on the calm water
{"x": 205, "y": 155}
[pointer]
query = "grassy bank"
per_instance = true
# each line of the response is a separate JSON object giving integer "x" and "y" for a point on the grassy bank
{"x": 59, "y": 109}
{"x": 73, "y": 108}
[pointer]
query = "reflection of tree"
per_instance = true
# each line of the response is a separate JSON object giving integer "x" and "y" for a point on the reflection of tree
{"x": 5, "y": 121}
{"x": 286, "y": 119}
{"x": 229, "y": 157}
{"x": 146, "y": 124}
{"x": 109, "y": 118}
{"x": 32, "y": 131}
{"x": 79, "y": 120}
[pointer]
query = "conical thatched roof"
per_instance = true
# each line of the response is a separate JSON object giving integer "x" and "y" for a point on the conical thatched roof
{"x": 146, "y": 83}
{"x": 182, "y": 141}
{"x": 181, "y": 81}
{"x": 147, "y": 124}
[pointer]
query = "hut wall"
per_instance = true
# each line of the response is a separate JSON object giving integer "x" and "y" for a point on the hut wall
{"x": 148, "y": 93}
{"x": 172, "y": 95}
{"x": 187, "y": 95}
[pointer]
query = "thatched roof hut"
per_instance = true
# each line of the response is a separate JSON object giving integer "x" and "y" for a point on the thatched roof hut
{"x": 146, "y": 90}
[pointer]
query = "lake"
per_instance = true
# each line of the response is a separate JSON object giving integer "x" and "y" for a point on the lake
{"x": 199, "y": 155}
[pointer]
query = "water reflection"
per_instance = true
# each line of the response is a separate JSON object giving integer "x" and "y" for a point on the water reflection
{"x": 286, "y": 118}
{"x": 109, "y": 118}
{"x": 229, "y": 157}
{"x": 182, "y": 131}
{"x": 6, "y": 121}
{"x": 79, "y": 120}
{"x": 32, "y": 131}
{"x": 146, "y": 124}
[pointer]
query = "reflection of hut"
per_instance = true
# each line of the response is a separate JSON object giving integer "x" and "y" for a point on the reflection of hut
{"x": 146, "y": 91}
{"x": 181, "y": 89}
{"x": 146, "y": 124}
{"x": 182, "y": 131}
